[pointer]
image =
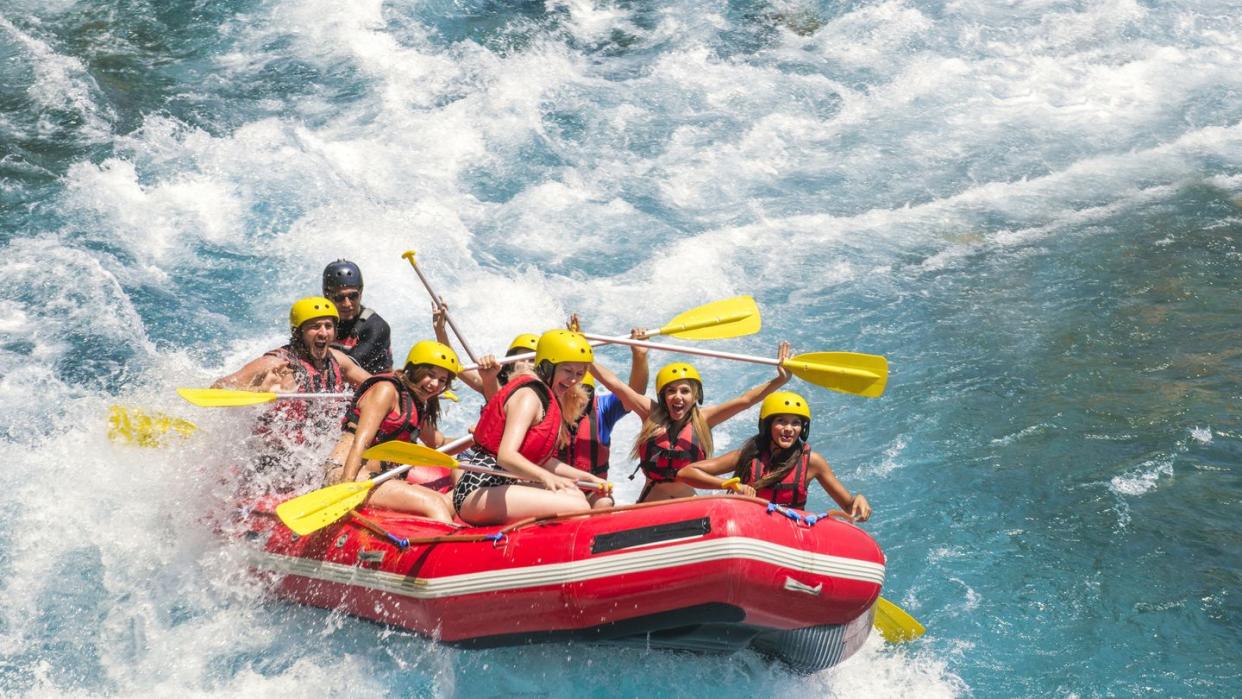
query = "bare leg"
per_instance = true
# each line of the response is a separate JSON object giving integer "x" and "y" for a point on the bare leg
{"x": 600, "y": 502}
{"x": 415, "y": 499}
{"x": 668, "y": 491}
{"x": 509, "y": 503}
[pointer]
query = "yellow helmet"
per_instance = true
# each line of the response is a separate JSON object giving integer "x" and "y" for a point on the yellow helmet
{"x": 310, "y": 308}
{"x": 525, "y": 341}
{"x": 560, "y": 346}
{"x": 786, "y": 403}
{"x": 678, "y": 371}
{"x": 435, "y": 354}
{"x": 588, "y": 380}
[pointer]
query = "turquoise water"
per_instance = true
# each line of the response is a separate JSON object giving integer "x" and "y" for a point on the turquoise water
{"x": 1034, "y": 209}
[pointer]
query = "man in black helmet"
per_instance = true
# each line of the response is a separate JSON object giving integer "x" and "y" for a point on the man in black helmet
{"x": 361, "y": 333}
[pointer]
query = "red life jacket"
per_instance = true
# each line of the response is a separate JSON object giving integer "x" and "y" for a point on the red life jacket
{"x": 289, "y": 417}
{"x": 660, "y": 460}
{"x": 403, "y": 425}
{"x": 541, "y": 438}
{"x": 791, "y": 490}
{"x": 586, "y": 449}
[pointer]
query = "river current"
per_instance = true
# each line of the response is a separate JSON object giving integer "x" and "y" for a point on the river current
{"x": 1033, "y": 208}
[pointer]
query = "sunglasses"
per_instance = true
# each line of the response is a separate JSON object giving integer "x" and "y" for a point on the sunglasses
{"x": 347, "y": 296}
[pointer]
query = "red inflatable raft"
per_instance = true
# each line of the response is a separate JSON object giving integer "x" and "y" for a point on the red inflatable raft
{"x": 711, "y": 573}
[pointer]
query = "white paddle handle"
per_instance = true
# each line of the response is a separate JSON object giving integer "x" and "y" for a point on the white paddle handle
{"x": 683, "y": 349}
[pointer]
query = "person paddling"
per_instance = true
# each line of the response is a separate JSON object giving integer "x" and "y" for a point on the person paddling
{"x": 676, "y": 431}
{"x": 519, "y": 431}
{"x": 362, "y": 333}
{"x": 402, "y": 406}
{"x": 777, "y": 463}
{"x": 307, "y": 364}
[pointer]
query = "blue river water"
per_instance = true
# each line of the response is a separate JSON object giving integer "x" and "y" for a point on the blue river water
{"x": 1033, "y": 209}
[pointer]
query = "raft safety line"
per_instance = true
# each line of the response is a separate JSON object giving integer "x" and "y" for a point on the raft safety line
{"x": 509, "y": 579}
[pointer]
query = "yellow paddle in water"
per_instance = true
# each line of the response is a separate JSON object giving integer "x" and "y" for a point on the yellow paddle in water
{"x": 133, "y": 426}
{"x": 895, "y": 624}
{"x": 230, "y": 398}
{"x": 849, "y": 372}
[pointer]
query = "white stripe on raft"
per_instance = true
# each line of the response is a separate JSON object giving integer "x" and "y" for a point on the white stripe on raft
{"x": 576, "y": 571}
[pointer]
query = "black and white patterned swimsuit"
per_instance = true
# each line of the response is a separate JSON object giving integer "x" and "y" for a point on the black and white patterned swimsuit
{"x": 470, "y": 482}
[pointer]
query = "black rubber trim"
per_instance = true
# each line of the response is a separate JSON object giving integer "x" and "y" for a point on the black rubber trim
{"x": 651, "y": 535}
{"x": 685, "y": 628}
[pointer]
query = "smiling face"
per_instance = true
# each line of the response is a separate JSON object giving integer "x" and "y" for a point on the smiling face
{"x": 679, "y": 398}
{"x": 785, "y": 430}
{"x": 430, "y": 381}
{"x": 567, "y": 375}
{"x": 317, "y": 335}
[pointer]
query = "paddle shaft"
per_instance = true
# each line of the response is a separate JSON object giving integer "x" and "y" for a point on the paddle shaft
{"x": 409, "y": 255}
{"x": 791, "y": 363}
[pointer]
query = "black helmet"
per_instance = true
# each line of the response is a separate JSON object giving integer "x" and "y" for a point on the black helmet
{"x": 341, "y": 273}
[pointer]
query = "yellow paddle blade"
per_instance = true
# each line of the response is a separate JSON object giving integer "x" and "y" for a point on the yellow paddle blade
{"x": 718, "y": 320}
{"x": 407, "y": 453}
{"x": 316, "y": 510}
{"x": 134, "y": 426}
{"x": 223, "y": 397}
{"x": 849, "y": 372}
{"x": 895, "y": 624}
{"x": 451, "y": 396}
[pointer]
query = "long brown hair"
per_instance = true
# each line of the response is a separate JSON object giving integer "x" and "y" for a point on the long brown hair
{"x": 429, "y": 412}
{"x": 659, "y": 420}
{"x": 782, "y": 462}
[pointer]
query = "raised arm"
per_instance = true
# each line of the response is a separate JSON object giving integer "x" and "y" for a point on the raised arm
{"x": 631, "y": 399}
{"x": 439, "y": 316}
{"x": 639, "y": 372}
{"x": 716, "y": 414}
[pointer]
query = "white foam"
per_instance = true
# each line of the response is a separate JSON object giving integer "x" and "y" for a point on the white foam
{"x": 62, "y": 83}
{"x": 1143, "y": 479}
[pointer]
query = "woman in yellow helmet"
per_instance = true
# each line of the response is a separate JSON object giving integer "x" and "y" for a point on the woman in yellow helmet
{"x": 401, "y": 406}
{"x": 307, "y": 364}
{"x": 676, "y": 431}
{"x": 519, "y": 432}
{"x": 777, "y": 463}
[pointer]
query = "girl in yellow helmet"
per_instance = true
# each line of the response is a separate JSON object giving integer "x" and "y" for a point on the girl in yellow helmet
{"x": 777, "y": 463}
{"x": 402, "y": 406}
{"x": 676, "y": 431}
{"x": 519, "y": 432}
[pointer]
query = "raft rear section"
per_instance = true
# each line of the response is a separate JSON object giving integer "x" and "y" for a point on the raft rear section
{"x": 713, "y": 573}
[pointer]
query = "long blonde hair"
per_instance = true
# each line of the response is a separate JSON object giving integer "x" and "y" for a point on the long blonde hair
{"x": 659, "y": 420}
{"x": 572, "y": 404}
